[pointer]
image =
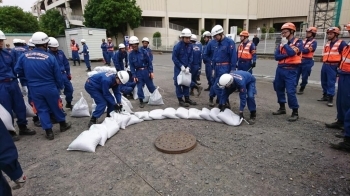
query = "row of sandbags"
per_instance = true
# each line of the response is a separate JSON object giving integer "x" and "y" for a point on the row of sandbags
{"x": 100, "y": 69}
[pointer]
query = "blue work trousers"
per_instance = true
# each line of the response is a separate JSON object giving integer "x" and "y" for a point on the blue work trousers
{"x": 285, "y": 80}
{"x": 105, "y": 56}
{"x": 208, "y": 73}
{"x": 245, "y": 66}
{"x": 87, "y": 61}
{"x": 110, "y": 56}
{"x": 101, "y": 102}
{"x": 144, "y": 78}
{"x": 328, "y": 79}
{"x": 127, "y": 88}
{"x": 347, "y": 123}
{"x": 304, "y": 70}
{"x": 343, "y": 96}
{"x": 68, "y": 88}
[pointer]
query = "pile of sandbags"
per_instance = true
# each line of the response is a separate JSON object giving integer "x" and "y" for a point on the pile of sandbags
{"x": 100, "y": 69}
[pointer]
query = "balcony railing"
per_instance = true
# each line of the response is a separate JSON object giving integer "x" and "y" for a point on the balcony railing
{"x": 157, "y": 24}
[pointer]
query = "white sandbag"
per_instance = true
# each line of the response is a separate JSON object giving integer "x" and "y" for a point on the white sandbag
{"x": 182, "y": 113}
{"x": 184, "y": 78}
{"x": 134, "y": 120}
{"x": 143, "y": 115}
{"x": 112, "y": 126}
{"x": 214, "y": 114}
{"x": 146, "y": 93}
{"x": 156, "y": 98}
{"x": 86, "y": 141}
{"x": 102, "y": 130}
{"x": 121, "y": 118}
{"x": 126, "y": 105}
{"x": 157, "y": 114}
{"x": 205, "y": 114}
{"x": 6, "y": 118}
{"x": 134, "y": 93}
{"x": 194, "y": 113}
{"x": 127, "y": 102}
{"x": 91, "y": 73}
{"x": 80, "y": 108}
{"x": 170, "y": 113}
{"x": 230, "y": 118}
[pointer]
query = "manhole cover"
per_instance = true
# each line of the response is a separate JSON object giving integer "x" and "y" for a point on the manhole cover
{"x": 175, "y": 142}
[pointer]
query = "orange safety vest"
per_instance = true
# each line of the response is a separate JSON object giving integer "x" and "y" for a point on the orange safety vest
{"x": 345, "y": 63}
{"x": 74, "y": 47}
{"x": 294, "y": 60}
{"x": 110, "y": 49}
{"x": 331, "y": 55}
{"x": 307, "y": 46}
{"x": 244, "y": 52}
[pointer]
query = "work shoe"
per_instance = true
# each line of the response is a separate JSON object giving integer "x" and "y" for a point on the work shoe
{"x": 294, "y": 116}
{"x": 23, "y": 130}
{"x": 324, "y": 98}
{"x": 64, "y": 126}
{"x": 344, "y": 145}
{"x": 199, "y": 90}
{"x": 280, "y": 111}
{"x": 252, "y": 117}
{"x": 198, "y": 78}
{"x": 189, "y": 101}
{"x": 69, "y": 105}
{"x": 14, "y": 136}
{"x": 330, "y": 101}
{"x": 93, "y": 120}
{"x": 207, "y": 89}
{"x": 301, "y": 90}
{"x": 211, "y": 102}
{"x": 89, "y": 69}
{"x": 192, "y": 93}
{"x": 37, "y": 123}
{"x": 142, "y": 105}
{"x": 336, "y": 125}
{"x": 182, "y": 103}
{"x": 49, "y": 134}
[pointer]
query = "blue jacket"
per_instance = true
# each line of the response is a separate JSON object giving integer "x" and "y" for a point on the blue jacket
{"x": 40, "y": 69}
{"x": 197, "y": 54}
{"x": 85, "y": 50}
{"x": 62, "y": 61}
{"x": 206, "y": 58}
{"x": 18, "y": 51}
{"x": 104, "y": 81}
{"x": 240, "y": 81}
{"x": 104, "y": 47}
{"x": 138, "y": 59}
{"x": 252, "y": 50}
{"x": 289, "y": 50}
{"x": 7, "y": 64}
{"x": 118, "y": 60}
{"x": 182, "y": 55}
{"x": 149, "y": 52}
{"x": 110, "y": 47}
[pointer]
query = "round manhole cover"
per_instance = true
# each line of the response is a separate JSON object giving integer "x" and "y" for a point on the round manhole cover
{"x": 175, "y": 142}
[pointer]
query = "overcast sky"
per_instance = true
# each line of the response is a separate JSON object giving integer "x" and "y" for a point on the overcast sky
{"x": 24, "y": 4}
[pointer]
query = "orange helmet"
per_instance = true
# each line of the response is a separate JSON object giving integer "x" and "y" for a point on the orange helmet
{"x": 311, "y": 29}
{"x": 333, "y": 30}
{"x": 244, "y": 33}
{"x": 347, "y": 27}
{"x": 288, "y": 25}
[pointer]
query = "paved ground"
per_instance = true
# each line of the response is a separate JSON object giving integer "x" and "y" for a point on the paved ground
{"x": 272, "y": 157}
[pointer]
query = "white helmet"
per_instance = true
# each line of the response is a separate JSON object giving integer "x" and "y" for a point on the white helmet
{"x": 121, "y": 46}
{"x": 40, "y": 38}
{"x": 193, "y": 37}
{"x": 145, "y": 39}
{"x": 23, "y": 41}
{"x": 225, "y": 80}
{"x": 16, "y": 41}
{"x": 133, "y": 40}
{"x": 83, "y": 41}
{"x": 2, "y": 35}
{"x": 186, "y": 33}
{"x": 217, "y": 29}
{"x": 206, "y": 34}
{"x": 53, "y": 43}
{"x": 123, "y": 76}
{"x": 30, "y": 43}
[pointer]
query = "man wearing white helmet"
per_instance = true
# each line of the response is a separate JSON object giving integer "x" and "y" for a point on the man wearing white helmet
{"x": 44, "y": 78}
{"x": 223, "y": 57}
{"x": 19, "y": 49}
{"x": 207, "y": 60}
{"x": 182, "y": 57}
{"x": 145, "y": 43}
{"x": 31, "y": 46}
{"x": 86, "y": 54}
{"x": 98, "y": 87}
{"x": 196, "y": 64}
{"x": 65, "y": 70}
{"x": 118, "y": 58}
{"x": 141, "y": 68}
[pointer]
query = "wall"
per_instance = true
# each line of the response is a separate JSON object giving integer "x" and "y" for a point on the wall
{"x": 345, "y": 13}
{"x": 11, "y": 36}
{"x": 285, "y": 8}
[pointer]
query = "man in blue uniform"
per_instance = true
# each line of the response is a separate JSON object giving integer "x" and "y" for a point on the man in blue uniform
{"x": 145, "y": 43}
{"x": 245, "y": 83}
{"x": 141, "y": 68}
{"x": 11, "y": 97}
{"x": 224, "y": 59}
{"x": 86, "y": 54}
{"x": 196, "y": 65}
{"x": 246, "y": 53}
{"x": 110, "y": 50}
{"x": 118, "y": 58}
{"x": 75, "y": 52}
{"x": 65, "y": 70}
{"x": 104, "y": 51}
{"x": 207, "y": 59}
{"x": 182, "y": 57}
{"x": 98, "y": 87}
{"x": 18, "y": 50}
{"x": 44, "y": 79}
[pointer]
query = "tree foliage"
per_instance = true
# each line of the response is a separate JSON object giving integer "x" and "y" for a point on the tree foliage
{"x": 113, "y": 15}
{"x": 202, "y": 39}
{"x": 15, "y": 20}
{"x": 157, "y": 41}
{"x": 52, "y": 23}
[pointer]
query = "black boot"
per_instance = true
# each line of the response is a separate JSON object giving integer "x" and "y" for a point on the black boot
{"x": 336, "y": 125}
{"x": 182, "y": 103}
{"x": 93, "y": 120}
{"x": 64, "y": 126}
{"x": 324, "y": 98}
{"x": 211, "y": 102}
{"x": 23, "y": 130}
{"x": 69, "y": 105}
{"x": 199, "y": 89}
{"x": 88, "y": 69}
{"x": 252, "y": 117}
{"x": 14, "y": 136}
{"x": 74, "y": 63}
{"x": 301, "y": 90}
{"x": 189, "y": 101}
{"x": 108, "y": 115}
{"x": 294, "y": 116}
{"x": 79, "y": 62}
{"x": 344, "y": 146}
{"x": 142, "y": 105}
{"x": 49, "y": 134}
{"x": 36, "y": 121}
{"x": 281, "y": 110}
{"x": 330, "y": 101}
{"x": 207, "y": 89}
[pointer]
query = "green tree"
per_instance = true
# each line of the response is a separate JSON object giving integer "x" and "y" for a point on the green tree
{"x": 113, "y": 15}
{"x": 239, "y": 30}
{"x": 202, "y": 39}
{"x": 271, "y": 30}
{"x": 157, "y": 41}
{"x": 15, "y": 20}
{"x": 52, "y": 23}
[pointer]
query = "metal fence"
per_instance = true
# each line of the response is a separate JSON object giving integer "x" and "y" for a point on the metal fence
{"x": 157, "y": 24}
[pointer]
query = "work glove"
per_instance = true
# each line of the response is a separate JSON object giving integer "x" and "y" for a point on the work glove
{"x": 19, "y": 183}
{"x": 253, "y": 64}
{"x": 187, "y": 70}
{"x": 284, "y": 41}
{"x": 24, "y": 90}
{"x": 183, "y": 68}
{"x": 151, "y": 75}
{"x": 136, "y": 80}
{"x": 222, "y": 108}
{"x": 241, "y": 115}
{"x": 69, "y": 77}
{"x": 118, "y": 108}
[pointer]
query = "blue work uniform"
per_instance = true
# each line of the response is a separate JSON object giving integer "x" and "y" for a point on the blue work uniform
{"x": 347, "y": 124}
{"x": 11, "y": 97}
{"x": 17, "y": 52}
{"x": 207, "y": 62}
{"x": 307, "y": 61}
{"x": 75, "y": 52}
{"x": 127, "y": 88}
{"x": 8, "y": 161}
{"x": 141, "y": 67}
{"x": 246, "y": 54}
{"x": 118, "y": 58}
{"x": 65, "y": 70}
{"x": 197, "y": 62}
{"x": 98, "y": 87}
{"x": 44, "y": 79}
{"x": 224, "y": 60}
{"x": 104, "y": 51}
{"x": 148, "y": 51}
{"x": 86, "y": 56}
{"x": 182, "y": 56}
{"x": 110, "y": 51}
{"x": 245, "y": 83}
{"x": 286, "y": 73}
{"x": 343, "y": 93}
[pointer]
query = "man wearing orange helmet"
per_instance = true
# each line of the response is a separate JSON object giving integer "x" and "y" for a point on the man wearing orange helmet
{"x": 246, "y": 53}
{"x": 288, "y": 56}
{"x": 307, "y": 61}
{"x": 331, "y": 59}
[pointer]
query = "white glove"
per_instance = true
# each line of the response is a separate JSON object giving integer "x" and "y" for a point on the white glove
{"x": 183, "y": 68}
{"x": 24, "y": 90}
{"x": 187, "y": 70}
{"x": 19, "y": 183}
{"x": 284, "y": 41}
